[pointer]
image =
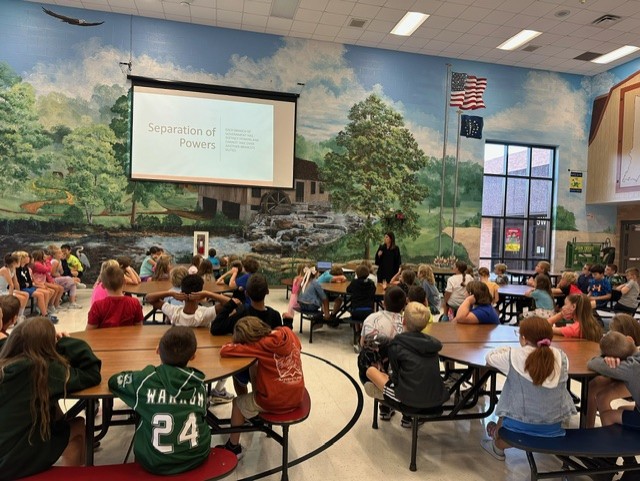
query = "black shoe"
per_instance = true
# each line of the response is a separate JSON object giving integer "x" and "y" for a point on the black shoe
{"x": 386, "y": 413}
{"x": 406, "y": 421}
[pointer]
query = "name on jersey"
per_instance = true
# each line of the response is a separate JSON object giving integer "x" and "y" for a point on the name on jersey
{"x": 160, "y": 396}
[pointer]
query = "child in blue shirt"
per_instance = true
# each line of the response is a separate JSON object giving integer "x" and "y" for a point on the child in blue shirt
{"x": 335, "y": 275}
{"x": 542, "y": 293}
{"x": 599, "y": 288}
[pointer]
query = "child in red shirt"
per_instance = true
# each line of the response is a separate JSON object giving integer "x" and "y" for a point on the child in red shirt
{"x": 277, "y": 380}
{"x": 116, "y": 309}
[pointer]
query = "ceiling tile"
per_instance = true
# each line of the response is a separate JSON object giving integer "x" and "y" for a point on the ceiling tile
{"x": 229, "y": 17}
{"x": 231, "y": 5}
{"x": 329, "y": 30}
{"x": 459, "y": 25}
{"x": 279, "y": 23}
{"x": 333, "y": 19}
{"x": 380, "y": 26}
{"x": 300, "y": 26}
{"x": 475, "y": 14}
{"x": 364, "y": 11}
{"x": 307, "y": 15}
{"x": 257, "y": 8}
{"x": 390, "y": 14}
{"x": 313, "y": 4}
{"x": 340, "y": 6}
{"x": 350, "y": 33}
{"x": 250, "y": 19}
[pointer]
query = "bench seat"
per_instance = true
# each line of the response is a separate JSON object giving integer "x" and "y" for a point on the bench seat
{"x": 220, "y": 463}
{"x": 582, "y": 451}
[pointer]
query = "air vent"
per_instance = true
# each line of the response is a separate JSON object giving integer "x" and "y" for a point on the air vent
{"x": 562, "y": 13}
{"x": 606, "y": 20}
{"x": 357, "y": 22}
{"x": 531, "y": 48}
{"x": 587, "y": 56}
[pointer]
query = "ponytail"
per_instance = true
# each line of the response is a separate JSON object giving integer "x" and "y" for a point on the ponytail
{"x": 541, "y": 363}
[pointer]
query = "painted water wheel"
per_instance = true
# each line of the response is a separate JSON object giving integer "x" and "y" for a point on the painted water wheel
{"x": 275, "y": 202}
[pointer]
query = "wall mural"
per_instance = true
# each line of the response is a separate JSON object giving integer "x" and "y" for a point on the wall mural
{"x": 64, "y": 142}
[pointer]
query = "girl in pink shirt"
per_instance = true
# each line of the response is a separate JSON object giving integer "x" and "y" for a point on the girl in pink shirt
{"x": 577, "y": 308}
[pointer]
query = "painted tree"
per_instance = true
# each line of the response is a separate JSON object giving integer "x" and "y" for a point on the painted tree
{"x": 21, "y": 134}
{"x": 95, "y": 178}
{"x": 140, "y": 191}
{"x": 375, "y": 172}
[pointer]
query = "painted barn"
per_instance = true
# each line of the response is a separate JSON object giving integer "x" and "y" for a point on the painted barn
{"x": 244, "y": 202}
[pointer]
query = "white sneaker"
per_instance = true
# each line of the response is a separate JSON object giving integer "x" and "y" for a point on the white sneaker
{"x": 74, "y": 305}
{"x": 373, "y": 391}
{"x": 81, "y": 285}
{"x": 489, "y": 446}
{"x": 221, "y": 397}
{"x": 52, "y": 309}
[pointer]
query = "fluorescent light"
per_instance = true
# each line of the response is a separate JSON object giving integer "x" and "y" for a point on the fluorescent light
{"x": 616, "y": 54}
{"x": 409, "y": 23}
{"x": 519, "y": 39}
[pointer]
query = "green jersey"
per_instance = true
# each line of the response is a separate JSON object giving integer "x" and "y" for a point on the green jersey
{"x": 173, "y": 435}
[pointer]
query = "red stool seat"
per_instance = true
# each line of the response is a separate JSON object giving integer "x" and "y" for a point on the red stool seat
{"x": 292, "y": 417}
{"x": 219, "y": 463}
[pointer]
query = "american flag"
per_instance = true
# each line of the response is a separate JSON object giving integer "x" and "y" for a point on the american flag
{"x": 466, "y": 91}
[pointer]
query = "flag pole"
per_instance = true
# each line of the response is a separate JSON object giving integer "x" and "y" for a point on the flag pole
{"x": 447, "y": 94}
{"x": 455, "y": 194}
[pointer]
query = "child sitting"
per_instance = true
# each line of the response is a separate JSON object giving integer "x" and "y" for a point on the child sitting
{"x": 477, "y": 308}
{"x": 234, "y": 309}
{"x": 116, "y": 309}
{"x": 191, "y": 314}
{"x": 10, "y": 308}
{"x": 287, "y": 317}
{"x": 620, "y": 360}
{"x": 377, "y": 331}
{"x": 162, "y": 268}
{"x": 535, "y": 399}
{"x": 213, "y": 258}
{"x": 149, "y": 263}
{"x": 277, "y": 379}
{"x": 542, "y": 296}
{"x": 38, "y": 369}
{"x": 604, "y": 390}
{"x": 577, "y": 310}
{"x": 542, "y": 268}
{"x": 494, "y": 288}
{"x": 205, "y": 270}
{"x": 131, "y": 277}
{"x": 599, "y": 288}
{"x": 404, "y": 279}
{"x": 195, "y": 264}
{"x": 428, "y": 282}
{"x": 333, "y": 275}
{"x": 177, "y": 274}
{"x": 312, "y": 297}
{"x": 99, "y": 292}
{"x": 414, "y": 378}
{"x": 500, "y": 270}
{"x": 235, "y": 269}
{"x": 567, "y": 285}
{"x": 71, "y": 265}
{"x": 9, "y": 284}
{"x": 171, "y": 401}
{"x": 362, "y": 295}
{"x": 628, "y": 301}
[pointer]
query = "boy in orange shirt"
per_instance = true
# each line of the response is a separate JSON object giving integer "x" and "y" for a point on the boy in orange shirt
{"x": 277, "y": 380}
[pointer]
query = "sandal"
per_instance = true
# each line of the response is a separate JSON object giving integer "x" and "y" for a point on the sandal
{"x": 492, "y": 427}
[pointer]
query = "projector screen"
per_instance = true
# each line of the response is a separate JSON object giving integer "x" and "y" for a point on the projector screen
{"x": 194, "y": 133}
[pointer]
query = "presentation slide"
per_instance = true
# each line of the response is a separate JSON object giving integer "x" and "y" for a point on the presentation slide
{"x": 201, "y": 137}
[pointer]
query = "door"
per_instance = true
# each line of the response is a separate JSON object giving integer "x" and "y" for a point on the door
{"x": 630, "y": 244}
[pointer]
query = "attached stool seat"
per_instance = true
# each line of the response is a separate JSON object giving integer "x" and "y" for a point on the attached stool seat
{"x": 285, "y": 420}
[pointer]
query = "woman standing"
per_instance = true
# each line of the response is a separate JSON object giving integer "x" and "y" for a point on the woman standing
{"x": 388, "y": 258}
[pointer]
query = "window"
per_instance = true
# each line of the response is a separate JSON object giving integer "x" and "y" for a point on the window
{"x": 255, "y": 192}
{"x": 313, "y": 187}
{"x": 517, "y": 202}
{"x": 321, "y": 187}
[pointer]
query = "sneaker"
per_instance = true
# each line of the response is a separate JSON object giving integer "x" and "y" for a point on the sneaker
{"x": 53, "y": 318}
{"x": 386, "y": 414}
{"x": 221, "y": 397}
{"x": 373, "y": 391}
{"x": 80, "y": 285}
{"x": 234, "y": 448}
{"x": 489, "y": 446}
{"x": 74, "y": 305}
{"x": 356, "y": 348}
{"x": 406, "y": 421}
{"x": 52, "y": 309}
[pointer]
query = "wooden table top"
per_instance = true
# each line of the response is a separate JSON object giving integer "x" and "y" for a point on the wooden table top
{"x": 149, "y": 287}
{"x": 137, "y": 338}
{"x": 207, "y": 360}
{"x": 341, "y": 288}
{"x": 578, "y": 352}
{"x": 454, "y": 333}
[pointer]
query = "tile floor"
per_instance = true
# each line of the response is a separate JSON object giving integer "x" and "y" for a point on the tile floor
{"x": 446, "y": 450}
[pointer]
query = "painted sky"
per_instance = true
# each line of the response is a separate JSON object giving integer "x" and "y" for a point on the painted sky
{"x": 524, "y": 105}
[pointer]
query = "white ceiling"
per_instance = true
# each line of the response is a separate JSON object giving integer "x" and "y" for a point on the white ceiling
{"x": 464, "y": 29}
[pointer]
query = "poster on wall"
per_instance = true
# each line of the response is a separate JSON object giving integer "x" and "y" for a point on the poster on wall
{"x": 513, "y": 239}
{"x": 575, "y": 182}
